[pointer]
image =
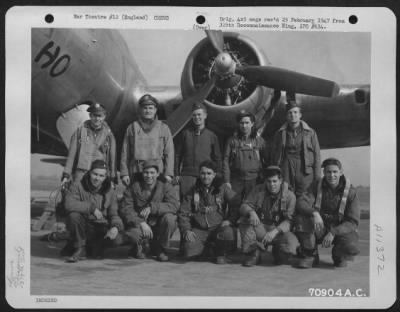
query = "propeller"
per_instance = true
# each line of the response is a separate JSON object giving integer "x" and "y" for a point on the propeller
{"x": 226, "y": 74}
{"x": 268, "y": 76}
{"x": 180, "y": 117}
{"x": 291, "y": 81}
{"x": 217, "y": 39}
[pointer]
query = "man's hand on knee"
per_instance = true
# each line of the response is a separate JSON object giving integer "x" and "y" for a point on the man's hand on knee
{"x": 145, "y": 213}
{"x": 253, "y": 218}
{"x": 112, "y": 233}
{"x": 318, "y": 223}
{"x": 328, "y": 239}
{"x": 146, "y": 230}
{"x": 189, "y": 236}
{"x": 126, "y": 180}
{"x": 97, "y": 213}
{"x": 225, "y": 223}
{"x": 269, "y": 237}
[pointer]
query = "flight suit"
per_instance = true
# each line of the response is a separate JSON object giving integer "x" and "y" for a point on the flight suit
{"x": 88, "y": 144}
{"x": 202, "y": 211}
{"x": 297, "y": 153}
{"x": 243, "y": 162}
{"x": 81, "y": 200}
{"x": 341, "y": 215}
{"x": 143, "y": 142}
{"x": 163, "y": 203}
{"x": 274, "y": 211}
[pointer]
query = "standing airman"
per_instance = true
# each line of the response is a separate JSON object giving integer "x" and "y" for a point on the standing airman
{"x": 243, "y": 158}
{"x": 295, "y": 149}
{"x": 147, "y": 139}
{"x": 93, "y": 140}
{"x": 196, "y": 145}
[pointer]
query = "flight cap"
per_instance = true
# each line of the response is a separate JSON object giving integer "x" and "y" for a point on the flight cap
{"x": 292, "y": 104}
{"x": 244, "y": 113}
{"x": 147, "y": 99}
{"x": 151, "y": 164}
{"x": 198, "y": 105}
{"x": 96, "y": 108}
{"x": 98, "y": 164}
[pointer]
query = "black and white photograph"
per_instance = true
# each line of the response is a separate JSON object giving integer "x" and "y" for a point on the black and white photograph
{"x": 233, "y": 162}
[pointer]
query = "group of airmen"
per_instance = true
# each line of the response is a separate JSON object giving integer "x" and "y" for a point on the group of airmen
{"x": 270, "y": 195}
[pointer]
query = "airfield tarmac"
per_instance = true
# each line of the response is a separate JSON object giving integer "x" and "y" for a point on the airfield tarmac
{"x": 117, "y": 275}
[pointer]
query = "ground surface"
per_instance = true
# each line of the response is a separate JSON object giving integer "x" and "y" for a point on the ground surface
{"x": 120, "y": 276}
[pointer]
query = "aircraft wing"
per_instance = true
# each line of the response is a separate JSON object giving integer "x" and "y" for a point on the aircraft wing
{"x": 58, "y": 161}
{"x": 340, "y": 121}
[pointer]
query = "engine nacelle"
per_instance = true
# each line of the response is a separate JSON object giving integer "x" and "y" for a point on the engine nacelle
{"x": 228, "y": 97}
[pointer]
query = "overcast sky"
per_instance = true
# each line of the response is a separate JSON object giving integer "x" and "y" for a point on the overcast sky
{"x": 342, "y": 57}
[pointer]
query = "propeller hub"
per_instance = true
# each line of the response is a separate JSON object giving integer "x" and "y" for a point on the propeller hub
{"x": 224, "y": 65}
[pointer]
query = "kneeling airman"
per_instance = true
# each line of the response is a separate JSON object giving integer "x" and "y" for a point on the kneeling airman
{"x": 266, "y": 219}
{"x": 332, "y": 220}
{"x": 204, "y": 218}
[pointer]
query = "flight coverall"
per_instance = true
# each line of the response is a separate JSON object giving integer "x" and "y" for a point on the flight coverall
{"x": 297, "y": 153}
{"x": 341, "y": 216}
{"x": 164, "y": 204}
{"x": 81, "y": 199}
{"x": 243, "y": 162}
{"x": 192, "y": 149}
{"x": 274, "y": 211}
{"x": 88, "y": 144}
{"x": 143, "y": 142}
{"x": 202, "y": 211}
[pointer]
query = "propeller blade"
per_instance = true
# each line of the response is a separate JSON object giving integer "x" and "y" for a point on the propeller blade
{"x": 282, "y": 79}
{"x": 180, "y": 117}
{"x": 217, "y": 39}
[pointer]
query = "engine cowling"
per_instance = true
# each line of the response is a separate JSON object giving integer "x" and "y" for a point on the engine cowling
{"x": 229, "y": 96}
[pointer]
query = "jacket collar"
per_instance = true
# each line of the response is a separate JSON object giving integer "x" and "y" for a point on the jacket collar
{"x": 338, "y": 189}
{"x": 303, "y": 124}
{"x": 213, "y": 189}
{"x": 195, "y": 131}
{"x": 87, "y": 124}
{"x": 273, "y": 196}
{"x": 147, "y": 126}
{"x": 240, "y": 136}
{"x": 139, "y": 185}
{"x": 88, "y": 187}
